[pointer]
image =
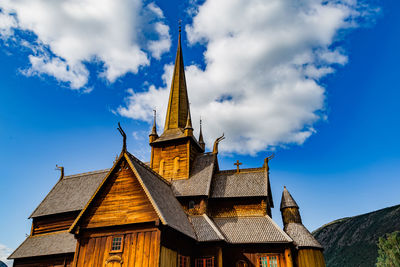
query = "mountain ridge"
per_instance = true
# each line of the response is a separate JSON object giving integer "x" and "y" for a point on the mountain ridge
{"x": 351, "y": 241}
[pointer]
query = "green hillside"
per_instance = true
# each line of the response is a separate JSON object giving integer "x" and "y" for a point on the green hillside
{"x": 351, "y": 242}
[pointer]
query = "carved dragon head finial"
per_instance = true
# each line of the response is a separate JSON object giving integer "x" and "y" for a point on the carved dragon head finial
{"x": 121, "y": 131}
{"x": 219, "y": 139}
{"x": 61, "y": 168}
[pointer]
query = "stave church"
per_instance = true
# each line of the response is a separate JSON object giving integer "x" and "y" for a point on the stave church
{"x": 178, "y": 210}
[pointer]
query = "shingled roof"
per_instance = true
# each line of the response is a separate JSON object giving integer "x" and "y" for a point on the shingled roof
{"x": 70, "y": 193}
{"x": 205, "y": 229}
{"x": 44, "y": 245}
{"x": 246, "y": 183}
{"x": 287, "y": 200}
{"x": 160, "y": 191}
{"x": 251, "y": 230}
{"x": 199, "y": 182}
{"x": 301, "y": 236}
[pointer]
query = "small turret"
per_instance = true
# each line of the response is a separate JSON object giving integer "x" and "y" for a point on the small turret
{"x": 188, "y": 128}
{"x": 201, "y": 140}
{"x": 289, "y": 208}
{"x": 308, "y": 249}
{"x": 153, "y": 135}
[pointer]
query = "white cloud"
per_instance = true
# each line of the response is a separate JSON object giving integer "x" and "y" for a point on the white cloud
{"x": 120, "y": 34}
{"x": 263, "y": 63}
{"x": 4, "y": 253}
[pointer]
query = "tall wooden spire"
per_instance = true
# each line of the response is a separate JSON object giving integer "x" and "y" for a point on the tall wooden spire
{"x": 178, "y": 104}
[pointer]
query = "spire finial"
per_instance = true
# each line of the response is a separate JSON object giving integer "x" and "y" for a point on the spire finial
{"x": 121, "y": 131}
{"x": 189, "y": 120}
{"x": 180, "y": 25}
{"x": 201, "y": 140}
{"x": 153, "y": 135}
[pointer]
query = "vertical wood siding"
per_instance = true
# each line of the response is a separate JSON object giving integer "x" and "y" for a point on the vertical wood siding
{"x": 140, "y": 249}
{"x": 168, "y": 153}
{"x": 168, "y": 257}
{"x": 310, "y": 258}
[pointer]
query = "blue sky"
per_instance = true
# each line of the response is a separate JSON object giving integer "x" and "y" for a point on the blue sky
{"x": 340, "y": 159}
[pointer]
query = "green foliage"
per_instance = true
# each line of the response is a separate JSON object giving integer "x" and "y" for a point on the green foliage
{"x": 389, "y": 250}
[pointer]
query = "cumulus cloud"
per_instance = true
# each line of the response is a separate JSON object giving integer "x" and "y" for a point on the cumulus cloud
{"x": 4, "y": 253}
{"x": 119, "y": 35}
{"x": 264, "y": 61}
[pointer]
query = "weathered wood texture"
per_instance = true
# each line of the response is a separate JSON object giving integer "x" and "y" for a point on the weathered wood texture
{"x": 140, "y": 249}
{"x": 48, "y": 261}
{"x": 121, "y": 201}
{"x": 197, "y": 207}
{"x": 46, "y": 224}
{"x": 168, "y": 257}
{"x": 172, "y": 168}
{"x": 237, "y": 207}
{"x": 291, "y": 215}
{"x": 310, "y": 258}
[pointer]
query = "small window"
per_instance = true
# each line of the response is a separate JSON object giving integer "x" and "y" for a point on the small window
{"x": 162, "y": 166}
{"x": 183, "y": 261}
{"x": 268, "y": 261}
{"x": 191, "y": 204}
{"x": 204, "y": 262}
{"x": 116, "y": 244}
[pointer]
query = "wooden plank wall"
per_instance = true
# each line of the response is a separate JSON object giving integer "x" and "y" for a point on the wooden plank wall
{"x": 168, "y": 153}
{"x": 310, "y": 258}
{"x": 48, "y": 261}
{"x": 236, "y": 207}
{"x": 41, "y": 225}
{"x": 121, "y": 201}
{"x": 140, "y": 249}
{"x": 168, "y": 257}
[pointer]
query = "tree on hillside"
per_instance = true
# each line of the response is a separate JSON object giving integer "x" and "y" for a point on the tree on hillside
{"x": 389, "y": 250}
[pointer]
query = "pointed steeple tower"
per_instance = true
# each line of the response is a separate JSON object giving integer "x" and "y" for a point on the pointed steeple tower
{"x": 289, "y": 208}
{"x": 173, "y": 152}
{"x": 178, "y": 103}
{"x": 201, "y": 140}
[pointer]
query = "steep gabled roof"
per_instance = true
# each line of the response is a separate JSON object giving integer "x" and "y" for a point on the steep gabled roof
{"x": 158, "y": 191}
{"x": 246, "y": 183}
{"x": 70, "y": 193}
{"x": 44, "y": 245}
{"x": 199, "y": 182}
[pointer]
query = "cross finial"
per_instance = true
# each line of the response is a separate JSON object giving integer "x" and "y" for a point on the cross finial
{"x": 237, "y": 166}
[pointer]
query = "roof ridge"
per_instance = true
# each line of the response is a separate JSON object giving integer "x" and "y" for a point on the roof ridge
{"x": 244, "y": 170}
{"x": 148, "y": 168}
{"x": 85, "y": 173}
{"x": 214, "y": 227}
